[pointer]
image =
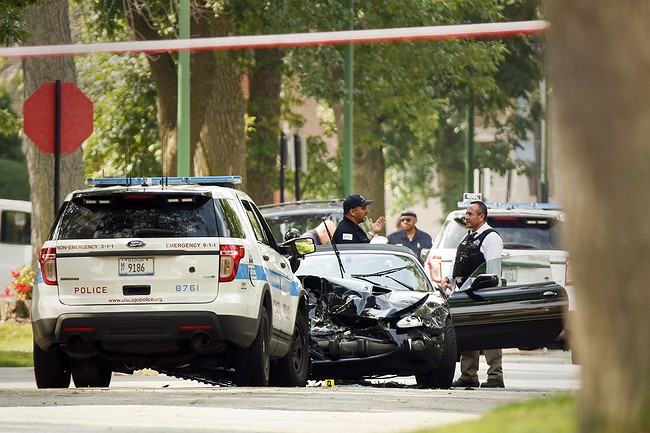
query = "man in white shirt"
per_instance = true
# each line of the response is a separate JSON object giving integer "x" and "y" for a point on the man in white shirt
{"x": 482, "y": 245}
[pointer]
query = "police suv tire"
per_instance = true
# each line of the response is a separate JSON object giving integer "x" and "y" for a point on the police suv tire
{"x": 253, "y": 364}
{"x": 91, "y": 377}
{"x": 293, "y": 368}
{"x": 442, "y": 376}
{"x": 51, "y": 368}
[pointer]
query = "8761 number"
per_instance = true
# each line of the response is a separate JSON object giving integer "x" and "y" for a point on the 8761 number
{"x": 187, "y": 287}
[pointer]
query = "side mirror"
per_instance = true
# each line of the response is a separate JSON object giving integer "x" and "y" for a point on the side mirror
{"x": 304, "y": 246}
{"x": 485, "y": 281}
{"x": 424, "y": 253}
{"x": 298, "y": 247}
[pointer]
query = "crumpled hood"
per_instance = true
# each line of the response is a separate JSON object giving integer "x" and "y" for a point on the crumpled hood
{"x": 359, "y": 299}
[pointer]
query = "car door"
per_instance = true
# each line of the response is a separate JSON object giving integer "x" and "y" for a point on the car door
{"x": 277, "y": 270}
{"x": 525, "y": 310}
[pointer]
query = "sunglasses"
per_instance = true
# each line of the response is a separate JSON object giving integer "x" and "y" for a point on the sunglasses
{"x": 406, "y": 220}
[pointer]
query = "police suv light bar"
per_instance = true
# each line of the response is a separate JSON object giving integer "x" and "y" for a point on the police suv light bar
{"x": 165, "y": 181}
{"x": 504, "y": 205}
{"x": 469, "y": 197}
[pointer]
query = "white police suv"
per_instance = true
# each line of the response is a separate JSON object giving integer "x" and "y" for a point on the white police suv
{"x": 181, "y": 275}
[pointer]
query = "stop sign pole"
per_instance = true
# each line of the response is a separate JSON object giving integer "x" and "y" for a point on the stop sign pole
{"x": 57, "y": 144}
{"x": 58, "y": 117}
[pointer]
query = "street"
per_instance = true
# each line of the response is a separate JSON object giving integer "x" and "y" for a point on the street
{"x": 155, "y": 403}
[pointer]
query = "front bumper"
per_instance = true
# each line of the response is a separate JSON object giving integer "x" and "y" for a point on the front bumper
{"x": 416, "y": 352}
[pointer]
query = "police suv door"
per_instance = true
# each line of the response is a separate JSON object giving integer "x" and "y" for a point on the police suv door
{"x": 278, "y": 273}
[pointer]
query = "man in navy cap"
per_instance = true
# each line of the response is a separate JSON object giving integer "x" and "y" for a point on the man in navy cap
{"x": 354, "y": 213}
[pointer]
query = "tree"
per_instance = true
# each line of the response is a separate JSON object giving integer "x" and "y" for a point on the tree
{"x": 407, "y": 95}
{"x": 126, "y": 139}
{"x": 48, "y": 24}
{"x": 600, "y": 90}
{"x": 217, "y": 129}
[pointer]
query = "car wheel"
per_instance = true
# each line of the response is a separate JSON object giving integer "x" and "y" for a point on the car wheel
{"x": 253, "y": 364}
{"x": 51, "y": 368}
{"x": 443, "y": 375}
{"x": 91, "y": 377}
{"x": 293, "y": 369}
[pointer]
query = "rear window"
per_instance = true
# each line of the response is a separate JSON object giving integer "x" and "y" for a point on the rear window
{"x": 15, "y": 227}
{"x": 146, "y": 216}
{"x": 518, "y": 233}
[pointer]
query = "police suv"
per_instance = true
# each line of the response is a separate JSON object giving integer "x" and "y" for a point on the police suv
{"x": 181, "y": 275}
{"x": 526, "y": 228}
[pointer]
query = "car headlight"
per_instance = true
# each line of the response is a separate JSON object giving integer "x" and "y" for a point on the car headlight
{"x": 409, "y": 322}
{"x": 431, "y": 315}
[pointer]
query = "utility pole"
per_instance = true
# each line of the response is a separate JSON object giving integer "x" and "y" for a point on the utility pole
{"x": 469, "y": 147}
{"x": 348, "y": 112}
{"x": 183, "y": 115}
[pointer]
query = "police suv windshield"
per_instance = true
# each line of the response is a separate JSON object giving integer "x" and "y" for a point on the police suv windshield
{"x": 517, "y": 232}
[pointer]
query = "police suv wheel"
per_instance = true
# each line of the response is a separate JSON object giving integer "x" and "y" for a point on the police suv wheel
{"x": 51, "y": 368}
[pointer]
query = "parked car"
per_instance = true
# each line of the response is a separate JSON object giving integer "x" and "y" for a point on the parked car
{"x": 373, "y": 313}
{"x": 523, "y": 307}
{"x": 180, "y": 275}
{"x": 15, "y": 239}
{"x": 524, "y": 227}
{"x": 301, "y": 215}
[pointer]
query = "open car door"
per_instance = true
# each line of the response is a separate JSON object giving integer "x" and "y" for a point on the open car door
{"x": 523, "y": 307}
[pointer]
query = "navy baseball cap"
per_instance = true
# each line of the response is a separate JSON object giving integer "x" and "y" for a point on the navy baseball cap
{"x": 355, "y": 200}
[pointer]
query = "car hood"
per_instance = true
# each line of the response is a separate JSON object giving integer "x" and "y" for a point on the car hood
{"x": 347, "y": 298}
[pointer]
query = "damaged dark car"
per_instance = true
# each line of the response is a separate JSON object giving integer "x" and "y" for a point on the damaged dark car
{"x": 375, "y": 313}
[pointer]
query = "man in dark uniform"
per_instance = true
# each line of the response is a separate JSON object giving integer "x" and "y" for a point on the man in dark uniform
{"x": 482, "y": 245}
{"x": 409, "y": 235}
{"x": 355, "y": 212}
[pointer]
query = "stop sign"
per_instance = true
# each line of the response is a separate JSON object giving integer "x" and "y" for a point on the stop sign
{"x": 39, "y": 112}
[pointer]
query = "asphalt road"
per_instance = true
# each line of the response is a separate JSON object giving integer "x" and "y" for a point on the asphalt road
{"x": 157, "y": 403}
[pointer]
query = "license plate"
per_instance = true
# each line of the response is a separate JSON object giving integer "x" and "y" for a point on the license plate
{"x": 509, "y": 274}
{"x": 135, "y": 266}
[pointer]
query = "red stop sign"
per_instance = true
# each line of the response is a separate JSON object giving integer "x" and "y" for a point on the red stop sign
{"x": 39, "y": 113}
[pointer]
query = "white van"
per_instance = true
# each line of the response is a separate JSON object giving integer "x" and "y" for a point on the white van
{"x": 15, "y": 239}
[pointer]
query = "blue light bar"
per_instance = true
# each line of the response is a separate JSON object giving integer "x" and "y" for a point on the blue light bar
{"x": 504, "y": 205}
{"x": 229, "y": 181}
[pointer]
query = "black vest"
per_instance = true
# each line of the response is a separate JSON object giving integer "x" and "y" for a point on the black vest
{"x": 469, "y": 256}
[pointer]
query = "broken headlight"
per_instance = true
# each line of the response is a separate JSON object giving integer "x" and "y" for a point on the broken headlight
{"x": 431, "y": 315}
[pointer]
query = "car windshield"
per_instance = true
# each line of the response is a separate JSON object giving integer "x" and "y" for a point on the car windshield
{"x": 395, "y": 271}
{"x": 280, "y": 224}
{"x": 146, "y": 216}
{"x": 518, "y": 233}
{"x": 517, "y": 270}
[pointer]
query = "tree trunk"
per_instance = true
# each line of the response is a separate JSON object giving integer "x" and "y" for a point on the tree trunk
{"x": 49, "y": 25}
{"x": 601, "y": 88}
{"x": 217, "y": 130}
{"x": 368, "y": 178}
{"x": 264, "y": 107}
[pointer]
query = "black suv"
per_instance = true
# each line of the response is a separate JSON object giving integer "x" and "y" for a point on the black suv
{"x": 302, "y": 215}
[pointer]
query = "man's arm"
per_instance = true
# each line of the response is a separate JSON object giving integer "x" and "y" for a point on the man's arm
{"x": 492, "y": 248}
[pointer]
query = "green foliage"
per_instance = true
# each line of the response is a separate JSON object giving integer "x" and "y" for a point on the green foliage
{"x": 409, "y": 96}
{"x": 554, "y": 414}
{"x": 10, "y": 123}
{"x": 322, "y": 179}
{"x": 14, "y": 180}
{"x": 126, "y": 139}
{"x": 12, "y": 26}
{"x": 16, "y": 336}
{"x": 16, "y": 344}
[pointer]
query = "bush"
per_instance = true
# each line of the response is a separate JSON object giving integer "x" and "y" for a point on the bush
{"x": 22, "y": 285}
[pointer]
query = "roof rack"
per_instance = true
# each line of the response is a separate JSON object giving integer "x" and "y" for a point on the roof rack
{"x": 504, "y": 205}
{"x": 103, "y": 182}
